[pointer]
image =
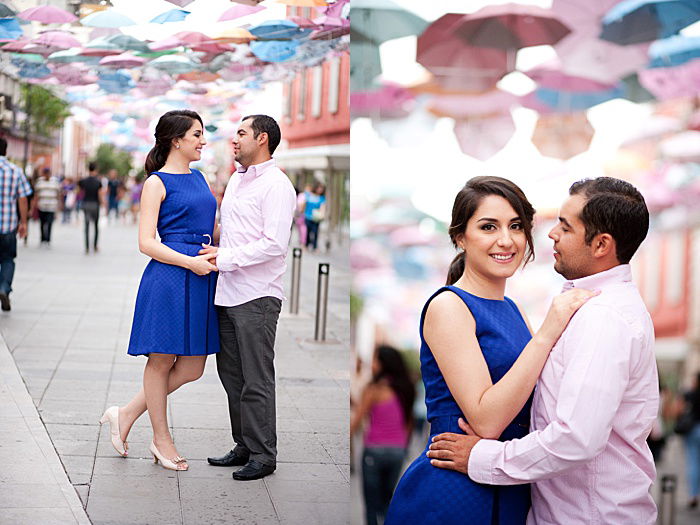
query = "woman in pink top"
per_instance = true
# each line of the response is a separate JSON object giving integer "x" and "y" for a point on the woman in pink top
{"x": 387, "y": 402}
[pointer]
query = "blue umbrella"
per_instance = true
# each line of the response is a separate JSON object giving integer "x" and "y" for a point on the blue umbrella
{"x": 274, "y": 50}
{"x": 115, "y": 81}
{"x": 674, "y": 51}
{"x": 174, "y": 15}
{"x": 570, "y": 101}
{"x": 278, "y": 30}
{"x": 636, "y": 21}
{"x": 33, "y": 70}
{"x": 9, "y": 29}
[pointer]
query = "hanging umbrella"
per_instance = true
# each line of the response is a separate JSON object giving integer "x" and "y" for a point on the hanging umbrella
{"x": 562, "y": 136}
{"x": 9, "y": 29}
{"x": 313, "y": 52}
{"x": 582, "y": 14}
{"x": 674, "y": 51}
{"x": 33, "y": 70}
{"x": 48, "y": 14}
{"x": 274, "y": 50}
{"x": 6, "y": 11}
{"x": 16, "y": 46}
{"x": 57, "y": 39}
{"x": 70, "y": 56}
{"x": 173, "y": 64}
{"x": 635, "y": 91}
{"x": 635, "y": 21}
{"x": 101, "y": 47}
{"x": 124, "y": 60}
{"x": 335, "y": 9}
{"x": 198, "y": 77}
{"x": 365, "y": 64}
{"x": 217, "y": 63}
{"x": 583, "y": 54}
{"x": 510, "y": 27}
{"x": 388, "y": 101}
{"x": 462, "y": 107}
{"x": 575, "y": 101}
{"x": 445, "y": 55}
{"x": 278, "y": 30}
{"x": 234, "y": 35}
{"x": 115, "y": 82}
{"x": 303, "y": 22}
{"x": 180, "y": 3}
{"x": 107, "y": 18}
{"x": 70, "y": 75}
{"x": 199, "y": 42}
{"x": 239, "y": 11}
{"x": 550, "y": 76}
{"x": 381, "y": 20}
{"x": 127, "y": 42}
{"x": 483, "y": 137}
{"x": 170, "y": 42}
{"x": 174, "y": 15}
{"x": 672, "y": 82}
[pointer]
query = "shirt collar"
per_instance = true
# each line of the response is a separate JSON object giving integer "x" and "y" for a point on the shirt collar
{"x": 618, "y": 274}
{"x": 256, "y": 169}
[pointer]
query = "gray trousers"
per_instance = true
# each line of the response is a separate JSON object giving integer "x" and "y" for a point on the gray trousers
{"x": 246, "y": 368}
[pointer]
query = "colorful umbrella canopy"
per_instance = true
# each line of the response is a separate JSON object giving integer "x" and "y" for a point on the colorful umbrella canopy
{"x": 562, "y": 136}
{"x": 9, "y": 29}
{"x": 107, "y": 18}
{"x": 173, "y": 15}
{"x": 382, "y": 20}
{"x": 483, "y": 137}
{"x": 674, "y": 51}
{"x": 274, "y": 50}
{"x": 444, "y": 54}
{"x": 510, "y": 26}
{"x": 239, "y": 11}
{"x": 124, "y": 60}
{"x": 48, "y": 14}
{"x": 635, "y": 21}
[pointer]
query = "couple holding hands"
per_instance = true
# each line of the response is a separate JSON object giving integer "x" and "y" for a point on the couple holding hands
{"x": 210, "y": 288}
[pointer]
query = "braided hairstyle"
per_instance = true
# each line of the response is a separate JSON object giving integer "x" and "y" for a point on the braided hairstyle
{"x": 172, "y": 125}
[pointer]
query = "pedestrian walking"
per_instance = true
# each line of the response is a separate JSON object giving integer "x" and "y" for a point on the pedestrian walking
{"x": 175, "y": 323}
{"x": 93, "y": 199}
{"x": 48, "y": 193}
{"x": 688, "y": 425}
{"x": 14, "y": 190}
{"x": 256, "y": 221}
{"x": 314, "y": 213}
{"x": 114, "y": 186}
{"x": 386, "y": 406}
{"x": 299, "y": 219}
{"x": 69, "y": 198}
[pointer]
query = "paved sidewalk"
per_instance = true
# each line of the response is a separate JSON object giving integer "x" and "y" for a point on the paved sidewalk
{"x": 68, "y": 332}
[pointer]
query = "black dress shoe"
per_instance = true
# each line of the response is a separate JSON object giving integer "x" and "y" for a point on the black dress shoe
{"x": 5, "y": 302}
{"x": 232, "y": 459}
{"x": 253, "y": 470}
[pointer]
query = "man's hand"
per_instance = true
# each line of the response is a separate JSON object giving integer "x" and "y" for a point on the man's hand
{"x": 22, "y": 230}
{"x": 451, "y": 451}
{"x": 213, "y": 250}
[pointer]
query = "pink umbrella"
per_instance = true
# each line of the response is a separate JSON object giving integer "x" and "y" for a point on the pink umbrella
{"x": 57, "y": 39}
{"x": 582, "y": 13}
{"x": 302, "y": 22}
{"x": 238, "y": 11}
{"x": 551, "y": 76}
{"x": 443, "y": 54}
{"x": 464, "y": 106}
{"x": 672, "y": 82}
{"x": 465, "y": 82}
{"x": 562, "y": 136}
{"x": 71, "y": 75}
{"x": 335, "y": 9}
{"x": 482, "y": 138}
{"x": 389, "y": 101}
{"x": 510, "y": 27}
{"x": 200, "y": 42}
{"x": 123, "y": 60}
{"x": 47, "y": 14}
{"x": 170, "y": 42}
{"x": 98, "y": 52}
{"x": 330, "y": 27}
{"x": 17, "y": 46}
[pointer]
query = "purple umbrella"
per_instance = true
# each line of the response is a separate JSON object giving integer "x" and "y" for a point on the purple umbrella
{"x": 48, "y": 14}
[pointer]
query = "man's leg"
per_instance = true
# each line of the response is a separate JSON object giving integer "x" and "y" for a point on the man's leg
{"x": 8, "y": 252}
{"x": 50, "y": 215}
{"x": 228, "y": 365}
{"x": 86, "y": 216}
{"x": 255, "y": 324}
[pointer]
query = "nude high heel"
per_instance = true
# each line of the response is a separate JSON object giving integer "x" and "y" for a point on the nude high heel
{"x": 177, "y": 463}
{"x": 111, "y": 415}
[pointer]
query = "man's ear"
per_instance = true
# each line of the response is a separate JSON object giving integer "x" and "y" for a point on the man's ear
{"x": 604, "y": 245}
{"x": 262, "y": 138}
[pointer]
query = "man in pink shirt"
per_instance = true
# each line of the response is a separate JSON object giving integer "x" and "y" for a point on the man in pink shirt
{"x": 597, "y": 396}
{"x": 256, "y": 220}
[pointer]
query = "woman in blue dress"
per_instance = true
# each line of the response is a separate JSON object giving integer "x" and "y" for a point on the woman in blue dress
{"x": 479, "y": 360}
{"x": 175, "y": 321}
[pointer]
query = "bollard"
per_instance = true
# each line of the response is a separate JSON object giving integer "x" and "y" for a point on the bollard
{"x": 321, "y": 302}
{"x": 667, "y": 509}
{"x": 296, "y": 274}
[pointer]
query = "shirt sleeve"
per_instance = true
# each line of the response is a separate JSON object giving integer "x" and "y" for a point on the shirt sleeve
{"x": 277, "y": 209}
{"x": 598, "y": 351}
{"x": 23, "y": 188}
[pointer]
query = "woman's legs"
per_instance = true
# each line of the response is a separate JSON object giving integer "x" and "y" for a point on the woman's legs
{"x": 184, "y": 370}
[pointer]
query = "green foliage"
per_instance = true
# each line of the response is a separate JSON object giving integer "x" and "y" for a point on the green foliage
{"x": 46, "y": 111}
{"x": 355, "y": 306}
{"x": 110, "y": 157}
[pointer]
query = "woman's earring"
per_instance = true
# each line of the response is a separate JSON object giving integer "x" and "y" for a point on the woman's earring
{"x": 177, "y": 146}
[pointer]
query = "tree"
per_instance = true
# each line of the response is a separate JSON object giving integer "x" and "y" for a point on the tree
{"x": 46, "y": 112}
{"x": 110, "y": 157}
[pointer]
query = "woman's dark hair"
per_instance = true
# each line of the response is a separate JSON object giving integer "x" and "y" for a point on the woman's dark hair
{"x": 468, "y": 200}
{"x": 616, "y": 207}
{"x": 392, "y": 368}
{"x": 172, "y": 125}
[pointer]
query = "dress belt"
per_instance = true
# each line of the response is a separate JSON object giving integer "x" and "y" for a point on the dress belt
{"x": 188, "y": 238}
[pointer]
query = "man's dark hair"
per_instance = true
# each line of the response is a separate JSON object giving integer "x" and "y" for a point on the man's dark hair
{"x": 3, "y": 147}
{"x": 92, "y": 166}
{"x": 266, "y": 124}
{"x": 616, "y": 207}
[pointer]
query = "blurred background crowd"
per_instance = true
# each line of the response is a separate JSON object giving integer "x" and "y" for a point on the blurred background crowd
{"x": 543, "y": 93}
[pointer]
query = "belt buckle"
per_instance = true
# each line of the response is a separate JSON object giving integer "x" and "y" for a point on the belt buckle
{"x": 210, "y": 239}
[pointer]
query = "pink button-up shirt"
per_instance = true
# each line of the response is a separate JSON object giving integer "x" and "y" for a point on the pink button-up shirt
{"x": 256, "y": 220}
{"x": 593, "y": 408}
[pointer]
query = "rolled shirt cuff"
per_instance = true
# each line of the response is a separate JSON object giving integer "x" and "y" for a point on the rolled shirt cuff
{"x": 482, "y": 458}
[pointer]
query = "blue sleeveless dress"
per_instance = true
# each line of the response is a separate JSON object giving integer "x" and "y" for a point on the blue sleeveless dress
{"x": 430, "y": 495}
{"x": 175, "y": 312}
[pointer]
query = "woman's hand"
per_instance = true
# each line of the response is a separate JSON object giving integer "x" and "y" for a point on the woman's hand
{"x": 201, "y": 265}
{"x": 563, "y": 307}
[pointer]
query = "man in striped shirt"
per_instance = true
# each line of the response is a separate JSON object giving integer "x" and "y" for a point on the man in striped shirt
{"x": 14, "y": 189}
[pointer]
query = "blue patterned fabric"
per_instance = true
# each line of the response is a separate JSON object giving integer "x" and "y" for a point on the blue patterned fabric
{"x": 430, "y": 495}
{"x": 175, "y": 312}
{"x": 13, "y": 184}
